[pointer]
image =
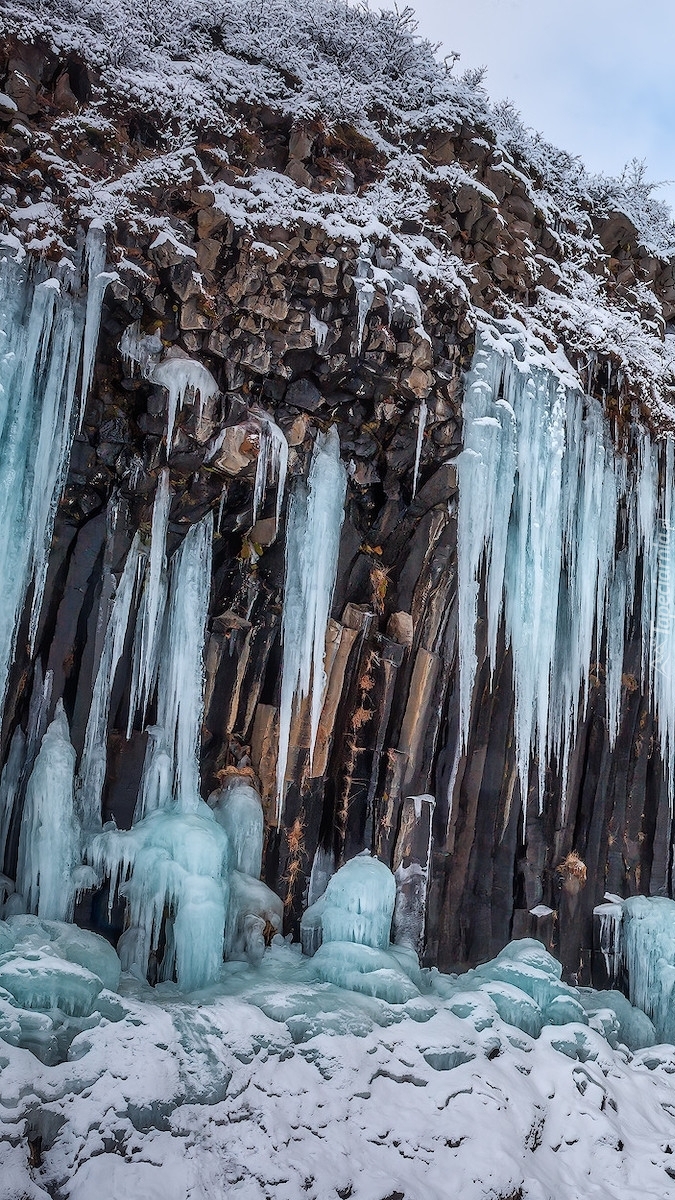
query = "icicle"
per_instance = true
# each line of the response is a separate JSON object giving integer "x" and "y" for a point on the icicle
{"x": 616, "y": 625}
{"x": 149, "y": 622}
{"x": 180, "y": 692}
{"x": 9, "y": 785}
{"x": 320, "y": 331}
{"x": 49, "y": 845}
{"x": 139, "y": 349}
{"x": 181, "y": 376}
{"x": 421, "y": 426}
{"x": 539, "y": 499}
{"x": 662, "y": 571}
{"x": 91, "y": 776}
{"x": 316, "y": 512}
{"x": 41, "y": 335}
{"x": 98, "y": 280}
{"x": 365, "y": 294}
{"x": 272, "y": 460}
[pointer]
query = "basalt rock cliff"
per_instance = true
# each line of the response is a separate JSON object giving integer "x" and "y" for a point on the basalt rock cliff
{"x": 326, "y": 238}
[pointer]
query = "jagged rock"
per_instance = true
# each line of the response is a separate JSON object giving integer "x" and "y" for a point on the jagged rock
{"x": 237, "y": 450}
{"x": 304, "y": 394}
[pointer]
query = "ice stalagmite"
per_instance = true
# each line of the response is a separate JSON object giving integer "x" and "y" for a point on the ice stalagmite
{"x": 49, "y": 845}
{"x": 91, "y": 775}
{"x": 176, "y": 861}
{"x": 42, "y": 328}
{"x": 315, "y": 516}
{"x": 252, "y": 906}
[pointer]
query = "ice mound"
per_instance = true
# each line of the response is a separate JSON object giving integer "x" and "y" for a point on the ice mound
{"x": 52, "y": 977}
{"x": 357, "y": 906}
{"x": 347, "y": 931}
{"x": 360, "y": 968}
{"x": 612, "y": 1015}
{"x": 177, "y": 862}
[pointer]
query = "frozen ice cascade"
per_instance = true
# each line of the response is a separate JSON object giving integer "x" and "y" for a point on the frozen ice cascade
{"x": 48, "y": 328}
{"x": 188, "y": 871}
{"x": 552, "y": 528}
{"x": 315, "y": 516}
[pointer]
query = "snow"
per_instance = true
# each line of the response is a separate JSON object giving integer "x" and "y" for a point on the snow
{"x": 277, "y": 1085}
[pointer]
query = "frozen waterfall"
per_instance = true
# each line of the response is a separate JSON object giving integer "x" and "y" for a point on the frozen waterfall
{"x": 315, "y": 516}
{"x": 46, "y": 328}
{"x": 553, "y": 529}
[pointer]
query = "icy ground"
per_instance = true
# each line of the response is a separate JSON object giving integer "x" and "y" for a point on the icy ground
{"x": 273, "y": 1085}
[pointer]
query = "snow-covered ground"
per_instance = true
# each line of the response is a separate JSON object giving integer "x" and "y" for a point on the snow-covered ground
{"x": 273, "y": 1084}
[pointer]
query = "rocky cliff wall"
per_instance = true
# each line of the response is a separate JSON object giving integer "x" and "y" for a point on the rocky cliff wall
{"x": 288, "y": 256}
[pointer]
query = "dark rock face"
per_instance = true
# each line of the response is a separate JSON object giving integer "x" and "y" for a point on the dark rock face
{"x": 248, "y": 309}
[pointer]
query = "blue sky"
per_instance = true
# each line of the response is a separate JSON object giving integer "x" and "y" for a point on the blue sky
{"x": 596, "y": 77}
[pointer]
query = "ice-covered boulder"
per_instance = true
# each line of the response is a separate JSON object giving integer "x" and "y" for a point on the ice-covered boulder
{"x": 347, "y": 931}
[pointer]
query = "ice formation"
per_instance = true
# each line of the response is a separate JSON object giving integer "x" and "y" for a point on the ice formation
{"x": 49, "y": 844}
{"x": 140, "y": 349}
{"x": 554, "y": 527}
{"x": 647, "y": 948}
{"x": 150, "y": 618}
{"x": 272, "y": 461}
{"x": 237, "y": 807}
{"x": 356, "y": 906}
{"x": 97, "y": 282}
{"x": 395, "y": 285}
{"x": 44, "y": 334}
{"x": 421, "y": 426}
{"x": 315, "y": 516}
{"x": 91, "y": 775}
{"x": 180, "y": 690}
{"x": 175, "y": 856}
{"x": 177, "y": 862}
{"x": 183, "y": 377}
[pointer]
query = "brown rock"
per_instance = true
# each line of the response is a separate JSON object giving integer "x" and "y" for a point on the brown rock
{"x": 417, "y": 381}
{"x": 400, "y": 628}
